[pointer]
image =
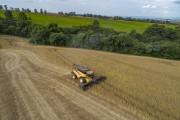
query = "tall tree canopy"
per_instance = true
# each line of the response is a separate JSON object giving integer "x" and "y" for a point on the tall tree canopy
{"x": 8, "y": 15}
{"x": 22, "y": 16}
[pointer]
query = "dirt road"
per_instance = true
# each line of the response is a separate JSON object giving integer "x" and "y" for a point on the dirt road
{"x": 32, "y": 88}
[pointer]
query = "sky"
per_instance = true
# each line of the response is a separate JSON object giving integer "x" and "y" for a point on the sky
{"x": 146, "y": 8}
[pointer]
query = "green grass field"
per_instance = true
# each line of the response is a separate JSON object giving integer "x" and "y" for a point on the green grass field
{"x": 121, "y": 26}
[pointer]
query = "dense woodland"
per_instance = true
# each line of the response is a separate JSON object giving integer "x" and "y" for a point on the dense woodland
{"x": 156, "y": 40}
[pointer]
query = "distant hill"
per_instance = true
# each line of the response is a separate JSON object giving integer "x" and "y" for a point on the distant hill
{"x": 64, "y": 21}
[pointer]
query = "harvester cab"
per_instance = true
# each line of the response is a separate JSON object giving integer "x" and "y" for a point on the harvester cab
{"x": 85, "y": 76}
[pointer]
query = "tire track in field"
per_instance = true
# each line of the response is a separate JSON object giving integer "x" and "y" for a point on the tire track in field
{"x": 34, "y": 103}
{"x": 43, "y": 92}
{"x": 0, "y": 46}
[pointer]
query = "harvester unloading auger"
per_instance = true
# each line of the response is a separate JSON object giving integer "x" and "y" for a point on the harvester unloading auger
{"x": 85, "y": 76}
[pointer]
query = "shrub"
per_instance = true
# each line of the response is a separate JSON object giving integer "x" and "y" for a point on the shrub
{"x": 58, "y": 39}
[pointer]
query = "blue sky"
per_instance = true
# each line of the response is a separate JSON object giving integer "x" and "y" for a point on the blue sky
{"x": 151, "y": 8}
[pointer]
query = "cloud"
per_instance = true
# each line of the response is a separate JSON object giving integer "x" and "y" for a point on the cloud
{"x": 166, "y": 11}
{"x": 164, "y": 0}
{"x": 146, "y": 6}
{"x": 177, "y": 2}
{"x": 44, "y": 1}
{"x": 149, "y": 6}
{"x": 104, "y": 7}
{"x": 83, "y": 3}
{"x": 28, "y": 1}
{"x": 49, "y": 1}
{"x": 154, "y": 6}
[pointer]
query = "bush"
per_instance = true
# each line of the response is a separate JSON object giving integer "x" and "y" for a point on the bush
{"x": 1, "y": 27}
{"x": 22, "y": 16}
{"x": 93, "y": 37}
{"x": 57, "y": 39}
{"x": 95, "y": 41}
{"x": 165, "y": 49}
{"x": 170, "y": 50}
{"x": 177, "y": 32}
{"x": 10, "y": 30}
{"x": 78, "y": 40}
{"x": 8, "y": 15}
{"x": 40, "y": 36}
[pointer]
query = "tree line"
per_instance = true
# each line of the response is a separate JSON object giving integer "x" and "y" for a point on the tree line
{"x": 5, "y": 7}
{"x": 156, "y": 40}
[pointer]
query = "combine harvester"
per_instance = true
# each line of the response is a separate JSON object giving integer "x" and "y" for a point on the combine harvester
{"x": 85, "y": 76}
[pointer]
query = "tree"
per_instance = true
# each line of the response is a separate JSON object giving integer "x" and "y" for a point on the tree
{"x": 11, "y": 8}
{"x": 35, "y": 10}
{"x": 160, "y": 32}
{"x": 17, "y": 9}
{"x": 79, "y": 40}
{"x": 23, "y": 10}
{"x": 10, "y": 30}
{"x": 22, "y": 16}
{"x": 177, "y": 31}
{"x": 28, "y": 10}
{"x": 58, "y": 39}
{"x": 5, "y": 6}
{"x": 166, "y": 49}
{"x": 154, "y": 30}
{"x": 169, "y": 33}
{"x": 95, "y": 25}
{"x": 8, "y": 15}
{"x": 110, "y": 43}
{"x": 53, "y": 27}
{"x": 41, "y": 11}
{"x": 45, "y": 12}
{"x": 23, "y": 28}
{"x": 60, "y": 13}
{"x": 122, "y": 42}
{"x": 40, "y": 36}
{"x": 1, "y": 27}
{"x": 1, "y": 7}
{"x": 133, "y": 33}
{"x": 95, "y": 41}
{"x": 24, "y": 32}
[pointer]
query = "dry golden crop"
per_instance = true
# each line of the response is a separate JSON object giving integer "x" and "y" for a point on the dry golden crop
{"x": 148, "y": 87}
{"x": 143, "y": 85}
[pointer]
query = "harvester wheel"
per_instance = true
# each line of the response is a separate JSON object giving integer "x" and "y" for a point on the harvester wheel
{"x": 95, "y": 82}
{"x": 82, "y": 88}
{"x": 74, "y": 77}
{"x": 81, "y": 80}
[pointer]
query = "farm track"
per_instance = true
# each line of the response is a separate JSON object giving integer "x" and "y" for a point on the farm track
{"x": 32, "y": 88}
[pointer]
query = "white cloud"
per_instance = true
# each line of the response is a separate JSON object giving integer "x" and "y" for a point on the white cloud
{"x": 153, "y": 6}
{"x": 166, "y": 0}
{"x": 146, "y": 6}
{"x": 149, "y": 6}
{"x": 44, "y": 1}
{"x": 165, "y": 12}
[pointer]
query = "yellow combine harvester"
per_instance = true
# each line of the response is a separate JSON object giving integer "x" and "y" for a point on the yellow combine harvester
{"x": 85, "y": 76}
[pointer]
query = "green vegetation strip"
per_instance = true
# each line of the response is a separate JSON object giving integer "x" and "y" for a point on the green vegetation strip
{"x": 64, "y": 21}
